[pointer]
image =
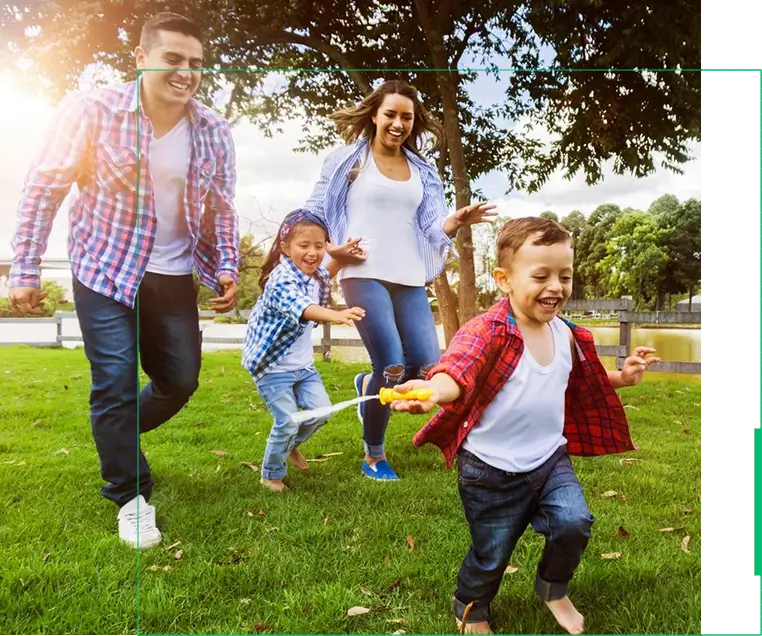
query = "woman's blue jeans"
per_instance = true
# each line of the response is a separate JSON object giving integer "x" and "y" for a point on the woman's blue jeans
{"x": 399, "y": 333}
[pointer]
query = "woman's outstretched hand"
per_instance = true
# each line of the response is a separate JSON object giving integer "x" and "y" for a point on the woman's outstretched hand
{"x": 475, "y": 213}
{"x": 347, "y": 253}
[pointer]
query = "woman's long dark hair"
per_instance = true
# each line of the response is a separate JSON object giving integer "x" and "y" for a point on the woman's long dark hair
{"x": 356, "y": 121}
{"x": 293, "y": 221}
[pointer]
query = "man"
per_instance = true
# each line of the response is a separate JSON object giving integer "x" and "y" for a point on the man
{"x": 155, "y": 171}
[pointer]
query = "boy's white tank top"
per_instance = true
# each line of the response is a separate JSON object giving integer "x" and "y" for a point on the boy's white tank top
{"x": 383, "y": 211}
{"x": 524, "y": 424}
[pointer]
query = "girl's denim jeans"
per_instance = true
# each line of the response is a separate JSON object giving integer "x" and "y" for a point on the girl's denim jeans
{"x": 285, "y": 393}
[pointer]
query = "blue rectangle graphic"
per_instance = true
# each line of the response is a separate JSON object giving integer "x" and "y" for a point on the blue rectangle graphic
{"x": 732, "y": 42}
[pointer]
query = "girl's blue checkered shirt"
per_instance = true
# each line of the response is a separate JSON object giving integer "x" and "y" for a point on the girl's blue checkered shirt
{"x": 276, "y": 322}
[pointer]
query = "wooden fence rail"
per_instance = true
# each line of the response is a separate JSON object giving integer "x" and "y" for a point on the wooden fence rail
{"x": 624, "y": 316}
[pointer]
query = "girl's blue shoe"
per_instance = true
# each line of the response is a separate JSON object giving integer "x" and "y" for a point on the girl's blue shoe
{"x": 380, "y": 471}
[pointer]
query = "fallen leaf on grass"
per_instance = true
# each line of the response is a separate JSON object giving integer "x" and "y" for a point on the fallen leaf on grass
{"x": 167, "y": 568}
{"x": 411, "y": 543}
{"x": 273, "y": 529}
{"x": 46, "y": 557}
{"x": 366, "y": 591}
{"x": 62, "y": 451}
{"x": 611, "y": 555}
{"x": 687, "y": 511}
{"x": 154, "y": 568}
{"x": 174, "y": 545}
{"x": 609, "y": 493}
{"x": 684, "y": 544}
{"x": 669, "y": 529}
{"x": 357, "y": 611}
{"x": 226, "y": 400}
{"x": 261, "y": 512}
{"x": 628, "y": 461}
{"x": 400, "y": 631}
{"x": 325, "y": 521}
{"x": 253, "y": 467}
{"x": 464, "y": 620}
{"x": 260, "y": 627}
{"x": 250, "y": 513}
{"x": 178, "y": 555}
{"x": 511, "y": 569}
{"x": 219, "y": 453}
{"x": 246, "y": 601}
{"x": 621, "y": 533}
{"x": 396, "y": 584}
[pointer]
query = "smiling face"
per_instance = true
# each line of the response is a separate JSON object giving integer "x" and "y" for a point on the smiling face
{"x": 394, "y": 121}
{"x": 538, "y": 280}
{"x": 305, "y": 246}
{"x": 170, "y": 52}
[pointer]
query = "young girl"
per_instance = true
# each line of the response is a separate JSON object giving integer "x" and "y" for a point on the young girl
{"x": 278, "y": 343}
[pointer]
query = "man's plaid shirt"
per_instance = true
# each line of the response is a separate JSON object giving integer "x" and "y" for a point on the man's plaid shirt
{"x": 276, "y": 321}
{"x": 93, "y": 141}
{"x": 483, "y": 355}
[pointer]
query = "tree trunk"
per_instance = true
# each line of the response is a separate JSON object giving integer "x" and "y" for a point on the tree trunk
{"x": 446, "y": 298}
{"x": 447, "y": 81}
{"x": 448, "y": 306}
{"x": 690, "y": 298}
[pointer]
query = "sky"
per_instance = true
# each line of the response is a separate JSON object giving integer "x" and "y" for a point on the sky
{"x": 273, "y": 179}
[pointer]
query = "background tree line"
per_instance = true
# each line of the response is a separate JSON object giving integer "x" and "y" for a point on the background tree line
{"x": 652, "y": 255}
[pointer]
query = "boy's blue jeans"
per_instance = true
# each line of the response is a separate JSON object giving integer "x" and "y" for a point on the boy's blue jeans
{"x": 285, "y": 393}
{"x": 401, "y": 338}
{"x": 499, "y": 506}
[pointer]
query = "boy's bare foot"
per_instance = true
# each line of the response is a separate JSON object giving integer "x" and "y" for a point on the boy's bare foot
{"x": 482, "y": 627}
{"x": 275, "y": 485}
{"x": 297, "y": 459}
{"x": 567, "y": 615}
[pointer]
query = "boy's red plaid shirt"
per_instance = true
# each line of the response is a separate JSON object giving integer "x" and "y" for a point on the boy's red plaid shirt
{"x": 483, "y": 355}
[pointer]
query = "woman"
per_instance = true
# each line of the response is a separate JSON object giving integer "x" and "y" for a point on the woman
{"x": 380, "y": 187}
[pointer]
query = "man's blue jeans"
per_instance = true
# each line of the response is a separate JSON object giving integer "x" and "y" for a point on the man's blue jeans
{"x": 285, "y": 393}
{"x": 399, "y": 333}
{"x": 170, "y": 354}
{"x": 499, "y": 506}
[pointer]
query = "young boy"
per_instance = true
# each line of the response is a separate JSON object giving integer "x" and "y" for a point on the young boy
{"x": 523, "y": 389}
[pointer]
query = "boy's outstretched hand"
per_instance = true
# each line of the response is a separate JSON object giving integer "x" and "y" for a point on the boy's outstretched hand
{"x": 635, "y": 365}
{"x": 415, "y": 406}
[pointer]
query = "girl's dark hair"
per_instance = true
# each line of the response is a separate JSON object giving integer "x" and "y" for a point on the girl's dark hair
{"x": 356, "y": 121}
{"x": 293, "y": 221}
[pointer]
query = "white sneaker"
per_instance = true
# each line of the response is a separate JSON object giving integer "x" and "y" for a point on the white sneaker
{"x": 137, "y": 524}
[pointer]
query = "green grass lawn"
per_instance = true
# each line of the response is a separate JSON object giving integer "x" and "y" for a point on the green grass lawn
{"x": 254, "y": 562}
